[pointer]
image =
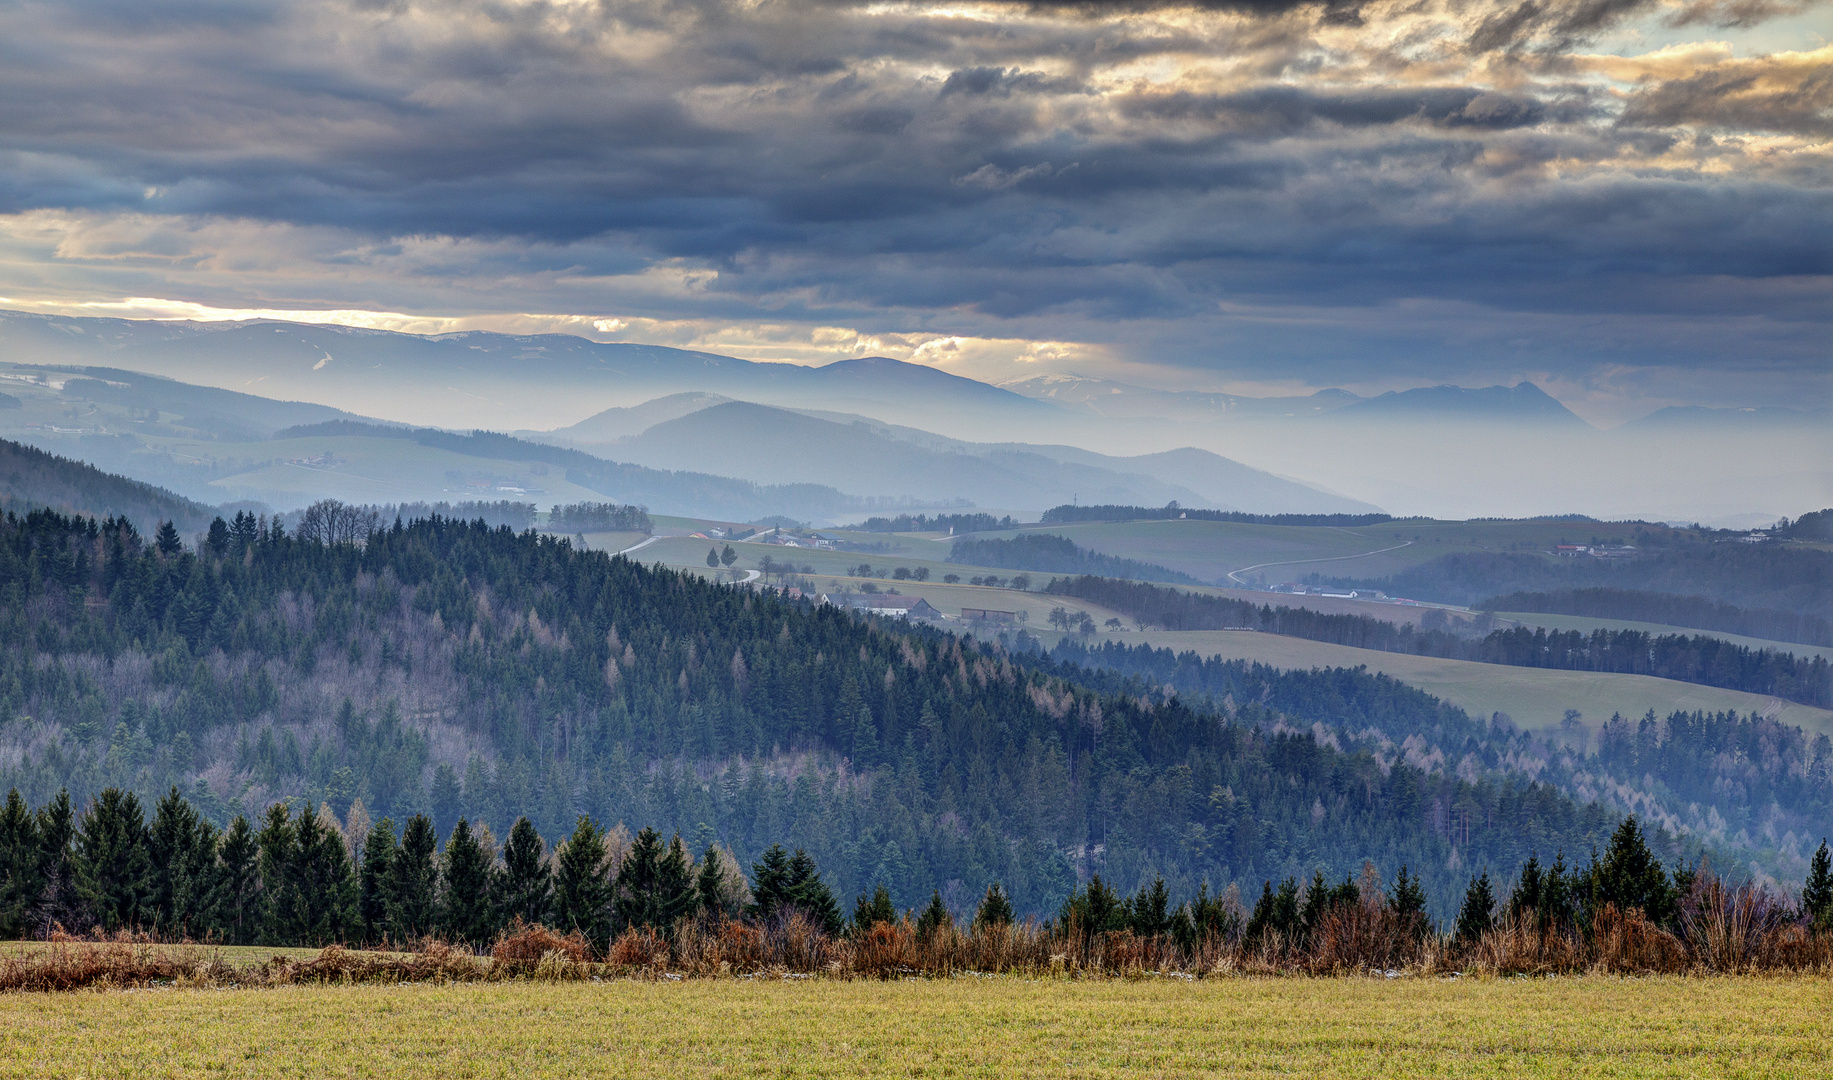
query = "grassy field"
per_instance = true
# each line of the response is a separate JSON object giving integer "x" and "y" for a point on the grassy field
{"x": 1209, "y": 550}
{"x": 1533, "y": 697}
{"x": 1594, "y": 1026}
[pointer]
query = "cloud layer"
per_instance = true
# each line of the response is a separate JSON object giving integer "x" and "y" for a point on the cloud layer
{"x": 1355, "y": 192}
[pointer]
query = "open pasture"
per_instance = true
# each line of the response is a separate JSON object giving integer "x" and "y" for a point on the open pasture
{"x": 962, "y": 1027}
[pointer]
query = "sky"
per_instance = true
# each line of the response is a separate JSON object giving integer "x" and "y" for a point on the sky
{"x": 1628, "y": 202}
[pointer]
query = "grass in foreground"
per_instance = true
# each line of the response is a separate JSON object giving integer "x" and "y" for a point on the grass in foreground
{"x": 1593, "y": 1026}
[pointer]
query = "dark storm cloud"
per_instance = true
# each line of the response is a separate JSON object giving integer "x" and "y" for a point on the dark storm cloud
{"x": 894, "y": 163}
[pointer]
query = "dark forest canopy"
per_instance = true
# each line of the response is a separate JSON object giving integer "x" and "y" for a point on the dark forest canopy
{"x": 1060, "y": 515}
{"x": 1048, "y": 554}
{"x": 1708, "y": 661}
{"x": 960, "y": 523}
{"x": 36, "y": 479}
{"x": 451, "y": 669}
{"x": 1782, "y": 577}
{"x": 1698, "y": 612}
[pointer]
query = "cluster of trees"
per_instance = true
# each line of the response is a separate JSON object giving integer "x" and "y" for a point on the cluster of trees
{"x": 1049, "y": 554}
{"x": 598, "y": 517}
{"x": 1060, "y": 515}
{"x": 1697, "y": 612}
{"x": 39, "y": 480}
{"x": 1688, "y": 658}
{"x": 1741, "y": 779}
{"x": 960, "y": 523}
{"x": 1779, "y": 577}
{"x": 447, "y": 668}
{"x": 305, "y": 879}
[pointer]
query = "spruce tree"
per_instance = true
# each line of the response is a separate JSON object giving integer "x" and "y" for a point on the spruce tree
{"x": 114, "y": 872}
{"x": 413, "y": 881}
{"x": 373, "y": 879}
{"x": 182, "y": 849}
{"x": 1408, "y": 903}
{"x": 165, "y": 538}
{"x": 655, "y": 884}
{"x": 869, "y": 912}
{"x": 770, "y": 883}
{"x": 582, "y": 893}
{"x": 710, "y": 885}
{"x": 526, "y": 885}
{"x": 1630, "y": 876}
{"x": 807, "y": 891}
{"x": 282, "y": 913}
{"x": 1477, "y": 916}
{"x": 20, "y": 880}
{"x": 995, "y": 908}
{"x": 1149, "y": 912}
{"x": 466, "y": 912}
{"x": 1817, "y": 892}
{"x": 60, "y": 900}
{"x": 328, "y": 889}
{"x": 237, "y": 908}
{"x": 934, "y": 917}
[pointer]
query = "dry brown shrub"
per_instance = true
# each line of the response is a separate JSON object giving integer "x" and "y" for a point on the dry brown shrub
{"x": 1625, "y": 943}
{"x": 1355, "y": 937}
{"x": 118, "y": 961}
{"x": 885, "y": 951}
{"x": 524, "y": 945}
{"x": 1520, "y": 945}
{"x": 796, "y": 944}
{"x": 1733, "y": 929}
{"x": 640, "y": 948}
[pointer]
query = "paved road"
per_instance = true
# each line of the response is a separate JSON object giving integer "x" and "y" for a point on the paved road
{"x": 640, "y": 545}
{"x": 1234, "y": 575}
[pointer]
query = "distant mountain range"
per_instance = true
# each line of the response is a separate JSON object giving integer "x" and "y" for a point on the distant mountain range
{"x": 769, "y": 445}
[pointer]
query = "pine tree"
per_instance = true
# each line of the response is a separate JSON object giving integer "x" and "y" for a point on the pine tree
{"x": 1408, "y": 903}
{"x": 1477, "y": 916}
{"x": 114, "y": 872}
{"x": 20, "y": 880}
{"x": 373, "y": 880}
{"x": 582, "y": 893}
{"x": 655, "y": 884}
{"x": 327, "y": 882}
{"x": 934, "y": 917}
{"x": 1630, "y": 876}
{"x": 770, "y": 883}
{"x": 237, "y": 907}
{"x": 413, "y": 881}
{"x": 465, "y": 909}
{"x": 808, "y": 892}
{"x": 1817, "y": 893}
{"x": 869, "y": 912}
{"x": 710, "y": 885}
{"x": 526, "y": 884}
{"x": 995, "y": 908}
{"x": 181, "y": 847}
{"x": 165, "y": 538}
{"x": 60, "y": 902}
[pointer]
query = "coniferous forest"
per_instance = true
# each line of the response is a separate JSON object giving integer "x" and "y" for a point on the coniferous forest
{"x": 448, "y": 670}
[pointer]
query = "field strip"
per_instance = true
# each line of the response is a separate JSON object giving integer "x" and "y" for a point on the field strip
{"x": 1294, "y": 562}
{"x": 963, "y": 1027}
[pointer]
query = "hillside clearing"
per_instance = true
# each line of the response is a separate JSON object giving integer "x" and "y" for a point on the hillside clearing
{"x": 1534, "y": 698}
{"x": 1592, "y": 1026}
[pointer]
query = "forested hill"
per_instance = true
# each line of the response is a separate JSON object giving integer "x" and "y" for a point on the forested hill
{"x": 460, "y": 670}
{"x": 35, "y": 479}
{"x": 1684, "y": 657}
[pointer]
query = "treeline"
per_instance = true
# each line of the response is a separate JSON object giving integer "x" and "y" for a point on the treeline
{"x": 1049, "y": 554}
{"x": 1699, "y": 659}
{"x": 597, "y": 517}
{"x": 36, "y": 479}
{"x": 961, "y": 523}
{"x": 1714, "y": 775}
{"x": 303, "y": 880}
{"x": 1781, "y": 577}
{"x": 1698, "y": 612}
{"x": 1059, "y": 515}
{"x": 448, "y": 669}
